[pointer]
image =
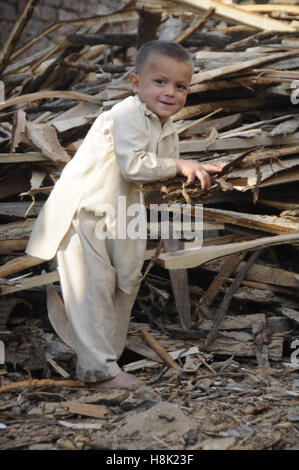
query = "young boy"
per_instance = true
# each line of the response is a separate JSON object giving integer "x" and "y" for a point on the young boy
{"x": 133, "y": 143}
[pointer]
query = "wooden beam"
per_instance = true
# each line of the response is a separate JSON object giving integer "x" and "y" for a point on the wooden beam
{"x": 193, "y": 258}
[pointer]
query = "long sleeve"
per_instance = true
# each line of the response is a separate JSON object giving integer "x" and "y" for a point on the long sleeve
{"x": 137, "y": 139}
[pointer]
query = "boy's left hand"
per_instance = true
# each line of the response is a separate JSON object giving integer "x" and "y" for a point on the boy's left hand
{"x": 193, "y": 169}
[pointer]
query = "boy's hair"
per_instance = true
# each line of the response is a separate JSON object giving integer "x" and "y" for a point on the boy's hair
{"x": 159, "y": 47}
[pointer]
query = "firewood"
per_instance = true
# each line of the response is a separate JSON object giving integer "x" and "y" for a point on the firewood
{"x": 154, "y": 344}
{"x": 43, "y": 383}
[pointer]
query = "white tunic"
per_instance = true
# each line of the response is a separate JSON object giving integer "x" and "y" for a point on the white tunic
{"x": 125, "y": 148}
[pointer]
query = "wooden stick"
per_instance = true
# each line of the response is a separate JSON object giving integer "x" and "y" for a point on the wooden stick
{"x": 14, "y": 35}
{"x": 43, "y": 383}
{"x": 228, "y": 295}
{"x": 49, "y": 94}
{"x": 195, "y": 26}
{"x": 158, "y": 348}
{"x": 228, "y": 266}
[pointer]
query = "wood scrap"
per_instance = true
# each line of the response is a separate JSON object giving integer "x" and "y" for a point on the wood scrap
{"x": 153, "y": 343}
{"x": 43, "y": 383}
{"x": 179, "y": 280}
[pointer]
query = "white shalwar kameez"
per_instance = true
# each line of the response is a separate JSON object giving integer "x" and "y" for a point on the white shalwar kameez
{"x": 100, "y": 277}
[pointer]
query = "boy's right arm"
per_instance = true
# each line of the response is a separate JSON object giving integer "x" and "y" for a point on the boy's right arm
{"x": 132, "y": 141}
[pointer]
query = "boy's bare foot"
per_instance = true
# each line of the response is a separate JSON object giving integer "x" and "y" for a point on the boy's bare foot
{"x": 122, "y": 380}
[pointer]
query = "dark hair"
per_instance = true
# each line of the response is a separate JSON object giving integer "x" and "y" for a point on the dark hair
{"x": 158, "y": 47}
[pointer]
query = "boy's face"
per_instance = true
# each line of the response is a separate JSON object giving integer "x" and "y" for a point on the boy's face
{"x": 163, "y": 84}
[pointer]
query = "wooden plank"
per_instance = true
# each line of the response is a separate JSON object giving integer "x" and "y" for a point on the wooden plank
{"x": 86, "y": 409}
{"x": 180, "y": 286}
{"x": 24, "y": 157}
{"x": 19, "y": 264}
{"x": 200, "y": 127}
{"x": 238, "y": 66}
{"x": 228, "y": 106}
{"x": 266, "y": 223}
{"x": 271, "y": 275}
{"x": 31, "y": 282}
{"x": 232, "y": 143}
{"x": 193, "y": 258}
{"x": 264, "y": 8}
{"x": 236, "y": 15}
{"x": 19, "y": 209}
{"x": 57, "y": 314}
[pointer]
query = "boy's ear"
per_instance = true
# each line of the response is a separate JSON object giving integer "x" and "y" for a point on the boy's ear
{"x": 134, "y": 79}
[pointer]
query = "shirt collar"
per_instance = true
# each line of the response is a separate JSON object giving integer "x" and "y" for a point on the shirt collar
{"x": 168, "y": 126}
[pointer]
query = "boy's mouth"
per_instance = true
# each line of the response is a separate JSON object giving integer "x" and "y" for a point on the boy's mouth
{"x": 167, "y": 103}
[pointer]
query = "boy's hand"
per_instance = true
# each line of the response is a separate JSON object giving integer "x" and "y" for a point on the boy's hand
{"x": 193, "y": 169}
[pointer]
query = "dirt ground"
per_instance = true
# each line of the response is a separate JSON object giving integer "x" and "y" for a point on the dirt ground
{"x": 239, "y": 407}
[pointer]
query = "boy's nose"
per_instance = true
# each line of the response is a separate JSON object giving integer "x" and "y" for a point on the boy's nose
{"x": 169, "y": 90}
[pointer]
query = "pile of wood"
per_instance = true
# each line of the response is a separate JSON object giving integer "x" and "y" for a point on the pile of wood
{"x": 242, "y": 295}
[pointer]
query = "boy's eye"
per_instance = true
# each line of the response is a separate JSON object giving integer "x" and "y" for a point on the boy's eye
{"x": 180, "y": 86}
{"x": 160, "y": 81}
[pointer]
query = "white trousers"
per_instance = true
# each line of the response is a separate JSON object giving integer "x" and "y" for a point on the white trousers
{"x": 98, "y": 311}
